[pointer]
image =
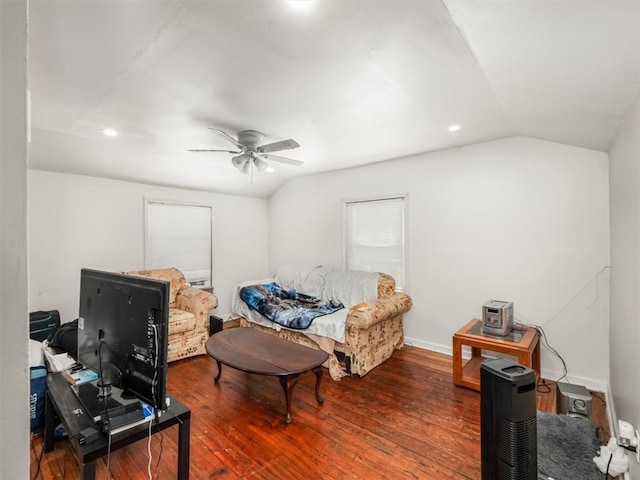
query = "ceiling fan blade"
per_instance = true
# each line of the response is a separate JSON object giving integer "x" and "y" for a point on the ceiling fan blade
{"x": 281, "y": 145}
{"x": 278, "y": 158}
{"x": 211, "y": 150}
{"x": 227, "y": 136}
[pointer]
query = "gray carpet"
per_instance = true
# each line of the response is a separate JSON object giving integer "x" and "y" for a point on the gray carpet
{"x": 566, "y": 447}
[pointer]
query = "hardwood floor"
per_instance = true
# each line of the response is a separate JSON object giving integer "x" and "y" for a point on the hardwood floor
{"x": 405, "y": 419}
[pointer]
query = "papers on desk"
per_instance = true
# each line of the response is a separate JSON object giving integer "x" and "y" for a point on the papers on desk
{"x": 58, "y": 362}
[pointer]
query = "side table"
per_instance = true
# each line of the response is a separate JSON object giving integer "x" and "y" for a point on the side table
{"x": 522, "y": 342}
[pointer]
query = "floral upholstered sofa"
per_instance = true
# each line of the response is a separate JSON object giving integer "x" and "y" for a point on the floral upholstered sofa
{"x": 188, "y": 313}
{"x": 359, "y": 337}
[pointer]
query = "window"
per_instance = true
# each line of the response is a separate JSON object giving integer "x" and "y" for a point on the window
{"x": 374, "y": 236}
{"x": 180, "y": 235}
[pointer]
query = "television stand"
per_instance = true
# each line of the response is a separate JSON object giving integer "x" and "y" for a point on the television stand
{"x": 61, "y": 400}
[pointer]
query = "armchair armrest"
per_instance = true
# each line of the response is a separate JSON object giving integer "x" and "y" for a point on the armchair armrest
{"x": 364, "y": 315}
{"x": 196, "y": 301}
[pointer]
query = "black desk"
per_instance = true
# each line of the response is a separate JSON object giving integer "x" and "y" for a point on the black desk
{"x": 62, "y": 400}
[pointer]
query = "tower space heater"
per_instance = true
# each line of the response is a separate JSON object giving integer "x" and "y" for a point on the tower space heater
{"x": 508, "y": 435}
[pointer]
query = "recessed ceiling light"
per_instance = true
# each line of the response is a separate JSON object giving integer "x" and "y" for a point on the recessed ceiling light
{"x": 110, "y": 132}
{"x": 454, "y": 128}
{"x": 270, "y": 170}
{"x": 301, "y": 5}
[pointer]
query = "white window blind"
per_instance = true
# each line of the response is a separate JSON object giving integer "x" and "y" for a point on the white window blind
{"x": 374, "y": 237}
{"x": 179, "y": 235}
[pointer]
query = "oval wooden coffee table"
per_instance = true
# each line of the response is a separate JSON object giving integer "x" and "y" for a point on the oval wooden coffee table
{"x": 252, "y": 351}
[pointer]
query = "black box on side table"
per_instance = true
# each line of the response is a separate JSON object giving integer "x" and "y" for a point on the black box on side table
{"x": 215, "y": 324}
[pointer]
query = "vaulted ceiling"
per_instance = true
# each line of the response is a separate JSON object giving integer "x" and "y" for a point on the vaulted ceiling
{"x": 353, "y": 82}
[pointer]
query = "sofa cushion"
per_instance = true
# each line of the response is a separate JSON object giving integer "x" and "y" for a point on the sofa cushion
{"x": 309, "y": 280}
{"x": 180, "y": 321}
{"x": 314, "y": 283}
{"x": 351, "y": 287}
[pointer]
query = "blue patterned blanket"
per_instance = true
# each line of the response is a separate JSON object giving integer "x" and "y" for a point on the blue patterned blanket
{"x": 286, "y": 307}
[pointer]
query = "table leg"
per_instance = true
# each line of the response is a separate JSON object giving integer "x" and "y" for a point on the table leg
{"x": 525, "y": 359}
{"x": 536, "y": 360}
{"x": 49, "y": 424}
{"x": 288, "y": 382}
{"x": 217, "y": 377}
{"x": 318, "y": 372}
{"x": 457, "y": 361}
{"x": 184, "y": 432}
{"x": 88, "y": 471}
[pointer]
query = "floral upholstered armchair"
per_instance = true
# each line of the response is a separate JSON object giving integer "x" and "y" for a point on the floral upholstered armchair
{"x": 188, "y": 313}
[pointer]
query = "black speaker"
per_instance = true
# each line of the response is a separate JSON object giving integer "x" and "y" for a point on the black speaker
{"x": 215, "y": 324}
{"x": 508, "y": 429}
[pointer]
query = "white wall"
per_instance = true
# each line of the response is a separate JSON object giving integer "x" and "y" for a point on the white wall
{"x": 14, "y": 358}
{"x": 516, "y": 219}
{"x": 78, "y": 221}
{"x": 625, "y": 271}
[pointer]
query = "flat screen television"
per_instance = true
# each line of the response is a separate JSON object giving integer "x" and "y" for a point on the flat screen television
{"x": 122, "y": 333}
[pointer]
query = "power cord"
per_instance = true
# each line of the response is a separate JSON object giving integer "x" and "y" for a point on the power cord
{"x": 106, "y": 408}
{"x": 106, "y": 473}
{"x": 39, "y": 461}
{"x": 543, "y": 337}
{"x": 543, "y": 386}
{"x": 153, "y": 395}
{"x": 64, "y": 459}
{"x": 545, "y": 343}
{"x": 160, "y": 454}
{"x": 606, "y": 474}
{"x": 594, "y": 279}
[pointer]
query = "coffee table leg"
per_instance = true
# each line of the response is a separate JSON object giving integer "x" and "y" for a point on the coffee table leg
{"x": 318, "y": 372}
{"x": 217, "y": 377}
{"x": 288, "y": 382}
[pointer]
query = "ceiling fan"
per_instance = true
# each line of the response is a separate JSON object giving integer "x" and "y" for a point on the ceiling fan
{"x": 252, "y": 153}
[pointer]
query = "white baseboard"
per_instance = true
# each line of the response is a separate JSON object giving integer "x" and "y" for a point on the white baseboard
{"x": 434, "y": 347}
{"x": 590, "y": 383}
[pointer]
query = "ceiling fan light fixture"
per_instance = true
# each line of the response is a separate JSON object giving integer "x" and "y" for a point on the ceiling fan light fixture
{"x": 260, "y": 164}
{"x": 240, "y": 162}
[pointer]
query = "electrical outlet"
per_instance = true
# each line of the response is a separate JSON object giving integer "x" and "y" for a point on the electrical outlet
{"x": 629, "y": 438}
